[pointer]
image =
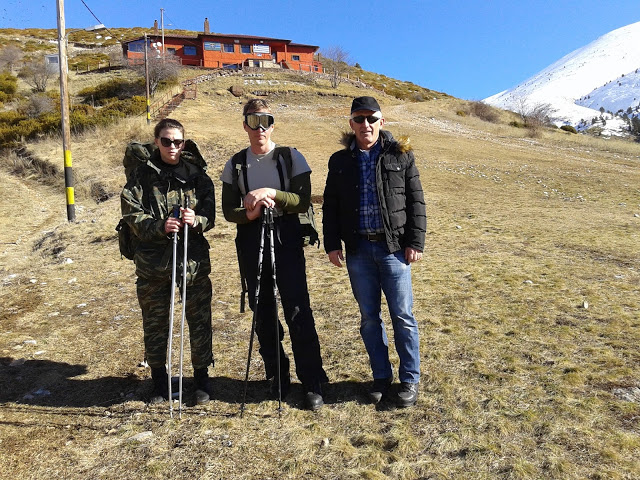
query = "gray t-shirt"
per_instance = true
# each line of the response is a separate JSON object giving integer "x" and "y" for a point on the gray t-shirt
{"x": 262, "y": 170}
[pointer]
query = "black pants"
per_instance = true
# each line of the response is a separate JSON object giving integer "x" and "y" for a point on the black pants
{"x": 291, "y": 280}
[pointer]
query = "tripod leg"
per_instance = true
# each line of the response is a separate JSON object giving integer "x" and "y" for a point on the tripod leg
{"x": 275, "y": 305}
{"x": 255, "y": 312}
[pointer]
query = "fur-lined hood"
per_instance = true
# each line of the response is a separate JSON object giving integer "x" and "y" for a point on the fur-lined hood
{"x": 403, "y": 143}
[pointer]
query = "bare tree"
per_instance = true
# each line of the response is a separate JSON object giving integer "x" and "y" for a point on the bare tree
{"x": 534, "y": 116}
{"x": 336, "y": 62}
{"x": 9, "y": 56}
{"x": 162, "y": 68}
{"x": 37, "y": 74}
{"x": 38, "y": 104}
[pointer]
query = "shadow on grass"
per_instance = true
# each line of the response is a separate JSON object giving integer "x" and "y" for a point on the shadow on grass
{"x": 56, "y": 384}
{"x": 231, "y": 390}
{"x": 47, "y": 383}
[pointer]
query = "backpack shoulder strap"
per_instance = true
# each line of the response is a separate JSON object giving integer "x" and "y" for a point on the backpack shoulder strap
{"x": 239, "y": 162}
{"x": 285, "y": 153}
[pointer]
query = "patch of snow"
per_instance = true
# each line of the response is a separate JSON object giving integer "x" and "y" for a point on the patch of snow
{"x": 603, "y": 73}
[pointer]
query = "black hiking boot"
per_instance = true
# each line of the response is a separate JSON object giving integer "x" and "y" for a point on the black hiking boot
{"x": 285, "y": 386}
{"x": 379, "y": 389}
{"x": 203, "y": 390}
{"x": 408, "y": 394}
{"x": 313, "y": 396}
{"x": 160, "y": 386}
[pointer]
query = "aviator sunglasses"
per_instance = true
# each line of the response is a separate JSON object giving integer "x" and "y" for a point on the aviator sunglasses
{"x": 370, "y": 118}
{"x": 166, "y": 142}
{"x": 258, "y": 120}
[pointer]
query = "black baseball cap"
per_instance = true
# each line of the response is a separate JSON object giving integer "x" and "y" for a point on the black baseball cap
{"x": 365, "y": 103}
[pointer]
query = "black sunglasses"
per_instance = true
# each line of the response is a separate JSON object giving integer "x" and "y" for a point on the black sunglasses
{"x": 258, "y": 120}
{"x": 370, "y": 118}
{"x": 166, "y": 142}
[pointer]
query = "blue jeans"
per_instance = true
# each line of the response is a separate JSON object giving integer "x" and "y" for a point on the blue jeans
{"x": 372, "y": 270}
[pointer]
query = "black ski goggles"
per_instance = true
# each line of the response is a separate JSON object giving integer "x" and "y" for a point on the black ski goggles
{"x": 258, "y": 120}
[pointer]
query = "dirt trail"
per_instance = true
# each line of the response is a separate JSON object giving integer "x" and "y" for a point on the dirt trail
{"x": 27, "y": 210}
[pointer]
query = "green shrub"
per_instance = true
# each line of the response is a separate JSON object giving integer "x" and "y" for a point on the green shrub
{"x": 115, "y": 88}
{"x": 11, "y": 117}
{"x": 8, "y": 84}
{"x": 16, "y": 127}
{"x": 568, "y": 128}
{"x": 461, "y": 113}
{"x": 129, "y": 106}
{"x": 83, "y": 108}
{"x": 88, "y": 60}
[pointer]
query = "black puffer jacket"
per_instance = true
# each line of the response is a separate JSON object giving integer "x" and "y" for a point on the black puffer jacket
{"x": 399, "y": 192}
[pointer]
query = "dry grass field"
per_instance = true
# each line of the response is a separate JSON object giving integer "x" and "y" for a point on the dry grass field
{"x": 528, "y": 301}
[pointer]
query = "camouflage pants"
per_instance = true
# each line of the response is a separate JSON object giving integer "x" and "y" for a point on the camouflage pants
{"x": 154, "y": 297}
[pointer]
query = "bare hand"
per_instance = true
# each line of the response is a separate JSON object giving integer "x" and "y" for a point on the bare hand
{"x": 188, "y": 216}
{"x": 254, "y": 197}
{"x": 257, "y": 211}
{"x": 412, "y": 255}
{"x": 335, "y": 257}
{"x": 172, "y": 225}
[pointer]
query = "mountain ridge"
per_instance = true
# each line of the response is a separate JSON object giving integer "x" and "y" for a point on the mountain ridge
{"x": 568, "y": 82}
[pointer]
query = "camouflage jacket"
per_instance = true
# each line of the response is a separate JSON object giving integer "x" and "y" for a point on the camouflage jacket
{"x": 146, "y": 202}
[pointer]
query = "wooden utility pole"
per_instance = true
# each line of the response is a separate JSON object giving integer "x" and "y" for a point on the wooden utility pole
{"x": 64, "y": 111}
{"x": 146, "y": 80}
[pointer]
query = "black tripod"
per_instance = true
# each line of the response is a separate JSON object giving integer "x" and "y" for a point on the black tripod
{"x": 267, "y": 227}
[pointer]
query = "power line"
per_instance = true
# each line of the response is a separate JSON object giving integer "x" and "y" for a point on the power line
{"x": 98, "y": 20}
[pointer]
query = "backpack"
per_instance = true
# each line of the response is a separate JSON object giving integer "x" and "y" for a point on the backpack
{"x": 307, "y": 221}
{"x": 135, "y": 155}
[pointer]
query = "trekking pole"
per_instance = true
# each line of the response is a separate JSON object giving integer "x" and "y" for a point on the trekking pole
{"x": 255, "y": 308}
{"x": 243, "y": 277}
{"x": 176, "y": 214}
{"x": 184, "y": 308}
{"x": 275, "y": 304}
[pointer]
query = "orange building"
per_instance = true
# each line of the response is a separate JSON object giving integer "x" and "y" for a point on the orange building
{"x": 217, "y": 50}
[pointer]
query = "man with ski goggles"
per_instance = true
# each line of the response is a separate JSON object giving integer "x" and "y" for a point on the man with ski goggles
{"x": 258, "y": 120}
{"x": 255, "y": 179}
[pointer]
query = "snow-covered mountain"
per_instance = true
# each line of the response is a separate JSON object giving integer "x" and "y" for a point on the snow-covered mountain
{"x": 603, "y": 74}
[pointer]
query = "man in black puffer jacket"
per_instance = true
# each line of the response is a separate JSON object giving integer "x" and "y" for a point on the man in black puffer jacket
{"x": 373, "y": 202}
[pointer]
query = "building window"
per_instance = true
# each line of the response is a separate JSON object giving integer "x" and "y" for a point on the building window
{"x": 171, "y": 51}
{"x": 213, "y": 46}
{"x": 295, "y": 58}
{"x": 137, "y": 46}
{"x": 228, "y": 48}
{"x": 245, "y": 48}
{"x": 189, "y": 50}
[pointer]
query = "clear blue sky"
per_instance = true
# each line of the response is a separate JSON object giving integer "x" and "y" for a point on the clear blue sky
{"x": 469, "y": 49}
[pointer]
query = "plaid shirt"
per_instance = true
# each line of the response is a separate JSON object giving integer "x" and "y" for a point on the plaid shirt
{"x": 370, "y": 214}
